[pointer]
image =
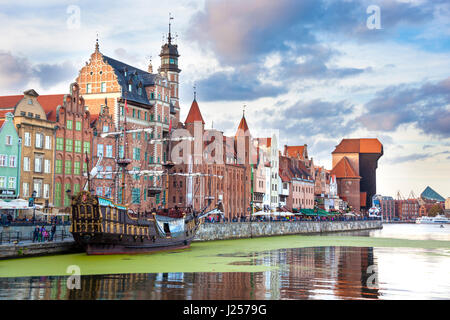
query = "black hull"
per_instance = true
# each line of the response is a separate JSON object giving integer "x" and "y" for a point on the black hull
{"x": 106, "y": 244}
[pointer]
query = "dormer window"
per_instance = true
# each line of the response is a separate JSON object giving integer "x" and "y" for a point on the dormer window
{"x": 130, "y": 87}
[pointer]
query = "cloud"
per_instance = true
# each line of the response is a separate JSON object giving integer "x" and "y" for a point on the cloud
{"x": 426, "y": 106}
{"x": 14, "y": 71}
{"x": 17, "y": 72}
{"x": 309, "y": 119}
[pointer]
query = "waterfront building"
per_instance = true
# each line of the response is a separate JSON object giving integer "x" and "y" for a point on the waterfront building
{"x": 407, "y": 209}
{"x": 430, "y": 195}
{"x": 104, "y": 151}
{"x": 37, "y": 134}
{"x": 141, "y": 99}
{"x": 73, "y": 143}
{"x": 387, "y": 206}
{"x": 301, "y": 186}
{"x": 259, "y": 179}
{"x": 10, "y": 148}
{"x": 355, "y": 162}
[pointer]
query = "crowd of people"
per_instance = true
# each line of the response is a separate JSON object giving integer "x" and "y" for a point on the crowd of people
{"x": 268, "y": 218}
{"x": 41, "y": 234}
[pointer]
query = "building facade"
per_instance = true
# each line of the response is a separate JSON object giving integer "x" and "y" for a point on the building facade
{"x": 10, "y": 155}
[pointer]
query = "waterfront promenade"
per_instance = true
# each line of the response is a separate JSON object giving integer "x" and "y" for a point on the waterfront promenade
{"x": 207, "y": 232}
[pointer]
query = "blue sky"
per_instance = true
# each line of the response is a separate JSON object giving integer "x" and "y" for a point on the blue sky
{"x": 311, "y": 69}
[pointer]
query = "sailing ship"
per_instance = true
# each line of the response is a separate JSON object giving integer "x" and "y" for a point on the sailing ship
{"x": 101, "y": 226}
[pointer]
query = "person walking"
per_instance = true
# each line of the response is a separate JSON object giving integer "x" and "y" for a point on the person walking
{"x": 42, "y": 234}
{"x": 53, "y": 231}
{"x": 36, "y": 234}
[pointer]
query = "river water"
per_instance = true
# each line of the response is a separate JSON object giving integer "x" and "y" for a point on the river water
{"x": 401, "y": 261}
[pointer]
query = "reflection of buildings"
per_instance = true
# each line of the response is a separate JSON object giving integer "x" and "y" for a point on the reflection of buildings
{"x": 300, "y": 273}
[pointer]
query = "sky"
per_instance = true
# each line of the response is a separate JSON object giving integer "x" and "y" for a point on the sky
{"x": 317, "y": 71}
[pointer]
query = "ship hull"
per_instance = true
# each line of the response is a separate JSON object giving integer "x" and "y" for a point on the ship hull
{"x": 109, "y": 244}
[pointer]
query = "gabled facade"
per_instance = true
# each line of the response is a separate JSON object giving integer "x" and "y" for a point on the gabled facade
{"x": 73, "y": 144}
{"x": 37, "y": 154}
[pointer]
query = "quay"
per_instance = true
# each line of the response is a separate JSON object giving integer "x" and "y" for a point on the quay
{"x": 208, "y": 232}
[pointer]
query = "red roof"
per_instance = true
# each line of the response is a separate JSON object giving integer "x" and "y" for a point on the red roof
{"x": 194, "y": 114}
{"x": 283, "y": 176}
{"x": 359, "y": 146}
{"x": 295, "y": 151}
{"x": 344, "y": 169}
{"x": 10, "y": 101}
{"x": 3, "y": 112}
{"x": 243, "y": 127}
{"x": 48, "y": 103}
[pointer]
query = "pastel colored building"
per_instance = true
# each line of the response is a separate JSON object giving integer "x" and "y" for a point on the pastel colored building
{"x": 10, "y": 151}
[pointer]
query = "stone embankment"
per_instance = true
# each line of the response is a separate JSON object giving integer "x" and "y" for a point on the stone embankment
{"x": 207, "y": 232}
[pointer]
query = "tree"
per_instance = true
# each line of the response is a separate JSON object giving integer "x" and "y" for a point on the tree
{"x": 435, "y": 210}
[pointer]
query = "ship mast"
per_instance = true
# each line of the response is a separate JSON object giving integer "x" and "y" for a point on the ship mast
{"x": 124, "y": 161}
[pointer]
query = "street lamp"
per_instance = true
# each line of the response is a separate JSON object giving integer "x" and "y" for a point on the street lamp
{"x": 33, "y": 196}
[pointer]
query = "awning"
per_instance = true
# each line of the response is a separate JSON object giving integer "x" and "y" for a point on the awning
{"x": 18, "y": 204}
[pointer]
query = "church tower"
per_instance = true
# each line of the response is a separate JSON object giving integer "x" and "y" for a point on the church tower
{"x": 169, "y": 69}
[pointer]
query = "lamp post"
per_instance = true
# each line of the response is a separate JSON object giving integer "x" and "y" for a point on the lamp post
{"x": 31, "y": 201}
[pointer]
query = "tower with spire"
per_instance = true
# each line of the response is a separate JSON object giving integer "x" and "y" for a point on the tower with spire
{"x": 169, "y": 69}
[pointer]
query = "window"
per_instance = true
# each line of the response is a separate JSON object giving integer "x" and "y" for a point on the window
{"x": 37, "y": 186}
{"x": 134, "y": 113}
{"x": 120, "y": 151}
{"x": 26, "y": 164}
{"x": 12, "y": 161}
{"x": 3, "y": 182}
{"x": 68, "y": 167}
{"x": 109, "y": 174}
{"x": 27, "y": 139}
{"x": 47, "y": 168}
{"x": 136, "y": 154}
{"x": 30, "y": 101}
{"x": 59, "y": 144}
{"x": 38, "y": 164}
{"x": 139, "y": 114}
{"x": 77, "y": 146}
{"x": 100, "y": 170}
{"x": 76, "y": 188}
{"x": 76, "y": 167}
{"x": 88, "y": 88}
{"x": 107, "y": 192}
{"x": 48, "y": 142}
{"x": 105, "y": 129}
{"x": 103, "y": 87}
{"x": 69, "y": 145}
{"x": 25, "y": 189}
{"x": 99, "y": 191}
{"x": 11, "y": 182}
{"x": 87, "y": 147}
{"x": 84, "y": 167}
{"x": 46, "y": 191}
{"x": 130, "y": 87}
{"x": 78, "y": 125}
{"x": 66, "y": 196}
{"x": 69, "y": 124}
{"x": 58, "y": 166}
{"x": 58, "y": 194}
{"x": 136, "y": 176}
{"x": 136, "y": 196}
{"x": 109, "y": 151}
{"x": 99, "y": 150}
{"x": 39, "y": 140}
{"x": 8, "y": 140}
{"x": 140, "y": 91}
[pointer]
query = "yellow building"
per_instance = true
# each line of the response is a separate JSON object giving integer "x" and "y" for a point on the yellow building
{"x": 37, "y": 156}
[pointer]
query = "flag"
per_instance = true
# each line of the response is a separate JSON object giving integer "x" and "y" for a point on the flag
{"x": 170, "y": 125}
{"x": 126, "y": 106}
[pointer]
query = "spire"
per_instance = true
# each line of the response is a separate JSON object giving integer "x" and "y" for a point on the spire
{"x": 194, "y": 114}
{"x": 243, "y": 127}
{"x": 195, "y": 92}
{"x": 97, "y": 47}
{"x": 169, "y": 37}
{"x": 150, "y": 66}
